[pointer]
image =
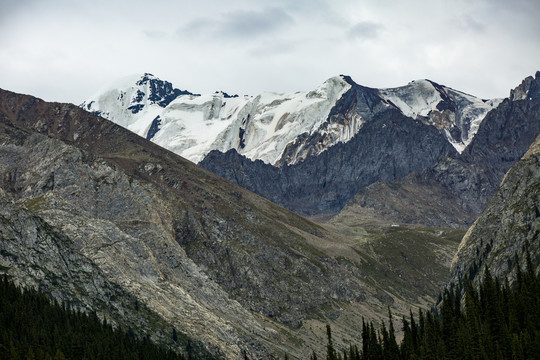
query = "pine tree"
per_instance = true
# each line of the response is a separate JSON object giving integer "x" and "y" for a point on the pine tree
{"x": 33, "y": 327}
{"x": 353, "y": 352}
{"x": 330, "y": 351}
{"x": 406, "y": 347}
{"x": 393, "y": 348}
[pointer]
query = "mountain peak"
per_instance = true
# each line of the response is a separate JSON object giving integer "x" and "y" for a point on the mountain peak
{"x": 420, "y": 81}
{"x": 276, "y": 127}
{"x": 529, "y": 89}
{"x": 347, "y": 79}
{"x": 133, "y": 94}
{"x": 225, "y": 95}
{"x": 146, "y": 77}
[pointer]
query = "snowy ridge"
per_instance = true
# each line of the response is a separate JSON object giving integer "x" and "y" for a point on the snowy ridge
{"x": 259, "y": 127}
{"x": 457, "y": 114}
{"x": 418, "y": 98}
{"x": 275, "y": 128}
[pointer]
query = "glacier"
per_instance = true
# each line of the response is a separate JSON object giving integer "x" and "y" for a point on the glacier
{"x": 272, "y": 127}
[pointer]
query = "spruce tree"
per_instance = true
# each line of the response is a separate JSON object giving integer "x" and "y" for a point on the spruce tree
{"x": 330, "y": 351}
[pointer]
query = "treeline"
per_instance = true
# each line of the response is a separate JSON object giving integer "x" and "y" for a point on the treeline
{"x": 494, "y": 321}
{"x": 32, "y": 327}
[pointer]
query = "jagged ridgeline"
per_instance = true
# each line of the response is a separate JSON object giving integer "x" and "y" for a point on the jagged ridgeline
{"x": 457, "y": 188}
{"x": 398, "y": 167}
{"x": 307, "y": 151}
{"x": 422, "y": 153}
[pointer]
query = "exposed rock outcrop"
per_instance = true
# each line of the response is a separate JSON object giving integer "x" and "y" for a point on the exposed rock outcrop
{"x": 388, "y": 147}
{"x": 509, "y": 224}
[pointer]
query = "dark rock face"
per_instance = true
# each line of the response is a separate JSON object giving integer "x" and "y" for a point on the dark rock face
{"x": 356, "y": 104}
{"x": 154, "y": 128}
{"x": 363, "y": 100}
{"x": 134, "y": 108}
{"x": 452, "y": 105}
{"x": 161, "y": 92}
{"x": 457, "y": 188}
{"x": 227, "y": 96}
{"x": 509, "y": 224}
{"x": 502, "y": 139}
{"x": 529, "y": 89}
{"x": 388, "y": 147}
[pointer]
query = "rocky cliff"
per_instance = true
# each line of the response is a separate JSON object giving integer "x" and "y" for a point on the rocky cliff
{"x": 455, "y": 190}
{"x": 92, "y": 233}
{"x": 509, "y": 224}
{"x": 390, "y": 146}
{"x": 108, "y": 221}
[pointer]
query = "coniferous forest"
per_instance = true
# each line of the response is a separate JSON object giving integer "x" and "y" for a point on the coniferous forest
{"x": 33, "y": 327}
{"x": 494, "y": 321}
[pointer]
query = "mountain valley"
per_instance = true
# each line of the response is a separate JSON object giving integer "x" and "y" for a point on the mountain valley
{"x": 127, "y": 225}
{"x": 194, "y": 251}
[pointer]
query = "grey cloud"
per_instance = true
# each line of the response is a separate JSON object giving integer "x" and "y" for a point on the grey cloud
{"x": 471, "y": 23}
{"x": 322, "y": 10}
{"x": 515, "y": 5}
{"x": 365, "y": 30}
{"x": 198, "y": 28}
{"x": 273, "y": 48}
{"x": 155, "y": 34}
{"x": 15, "y": 7}
{"x": 254, "y": 23}
{"x": 240, "y": 24}
{"x": 10, "y": 6}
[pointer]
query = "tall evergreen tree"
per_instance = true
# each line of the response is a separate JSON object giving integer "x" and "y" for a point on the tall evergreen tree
{"x": 330, "y": 351}
{"x": 393, "y": 348}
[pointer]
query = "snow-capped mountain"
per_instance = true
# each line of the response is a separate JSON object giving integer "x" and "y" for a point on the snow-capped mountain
{"x": 279, "y": 128}
{"x": 456, "y": 113}
{"x": 190, "y": 125}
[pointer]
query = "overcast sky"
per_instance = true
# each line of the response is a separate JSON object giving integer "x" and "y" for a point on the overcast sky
{"x": 65, "y": 50}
